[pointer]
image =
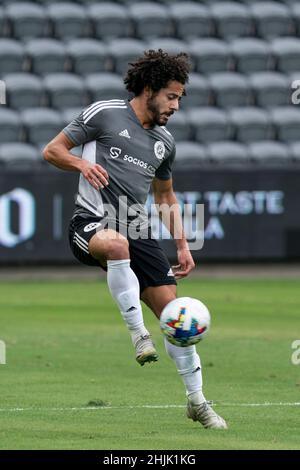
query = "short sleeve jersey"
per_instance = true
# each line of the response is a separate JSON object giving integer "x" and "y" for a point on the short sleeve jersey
{"x": 112, "y": 136}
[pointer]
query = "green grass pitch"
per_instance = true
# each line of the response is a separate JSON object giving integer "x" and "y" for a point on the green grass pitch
{"x": 71, "y": 380}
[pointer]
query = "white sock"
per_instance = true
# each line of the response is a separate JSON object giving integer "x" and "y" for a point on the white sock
{"x": 189, "y": 368}
{"x": 124, "y": 288}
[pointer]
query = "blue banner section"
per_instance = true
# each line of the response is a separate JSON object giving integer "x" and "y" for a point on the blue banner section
{"x": 248, "y": 214}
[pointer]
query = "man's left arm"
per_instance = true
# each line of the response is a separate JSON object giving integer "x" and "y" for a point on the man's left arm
{"x": 169, "y": 212}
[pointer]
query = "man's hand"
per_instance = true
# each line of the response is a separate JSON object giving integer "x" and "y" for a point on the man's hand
{"x": 186, "y": 263}
{"x": 95, "y": 174}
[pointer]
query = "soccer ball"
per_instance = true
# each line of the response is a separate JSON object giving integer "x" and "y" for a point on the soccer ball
{"x": 185, "y": 321}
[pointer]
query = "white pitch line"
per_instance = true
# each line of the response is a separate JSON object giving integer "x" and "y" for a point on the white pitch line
{"x": 97, "y": 408}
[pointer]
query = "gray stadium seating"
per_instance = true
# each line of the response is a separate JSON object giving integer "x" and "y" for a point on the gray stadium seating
{"x": 251, "y": 55}
{"x": 230, "y": 89}
{"x": 150, "y": 20}
{"x": 124, "y": 51}
{"x": 228, "y": 153}
{"x": 294, "y": 148}
{"x": 210, "y": 55}
{"x": 110, "y": 20}
{"x": 20, "y": 155}
{"x": 170, "y": 45}
{"x": 105, "y": 86}
{"x": 27, "y": 20}
{"x": 24, "y": 90}
{"x": 191, "y": 20}
{"x": 2, "y": 22}
{"x": 250, "y": 124}
{"x": 46, "y": 56}
{"x": 295, "y": 9}
{"x": 88, "y": 56}
{"x": 65, "y": 90}
{"x": 11, "y": 129}
{"x": 190, "y": 154}
{"x": 272, "y": 19}
{"x": 12, "y": 57}
{"x": 232, "y": 19}
{"x": 69, "y": 20}
{"x": 41, "y": 124}
{"x": 287, "y": 53}
{"x": 197, "y": 92}
{"x": 69, "y": 114}
{"x": 287, "y": 123}
{"x": 179, "y": 127}
{"x": 270, "y": 89}
{"x": 269, "y": 153}
{"x": 209, "y": 124}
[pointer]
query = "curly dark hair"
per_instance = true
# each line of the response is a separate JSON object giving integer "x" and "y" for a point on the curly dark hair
{"x": 155, "y": 69}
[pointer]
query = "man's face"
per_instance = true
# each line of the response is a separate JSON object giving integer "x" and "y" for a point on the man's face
{"x": 164, "y": 103}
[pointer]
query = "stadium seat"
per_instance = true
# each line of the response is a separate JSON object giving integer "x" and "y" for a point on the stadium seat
{"x": 272, "y": 19}
{"x": 251, "y": 55}
{"x": 287, "y": 54}
{"x": 295, "y": 9}
{"x": 65, "y": 90}
{"x": 12, "y": 57}
{"x": 69, "y": 20}
{"x": 20, "y": 156}
{"x": 150, "y": 20}
{"x": 210, "y": 55}
{"x": 190, "y": 154}
{"x": 269, "y": 153}
{"x": 294, "y": 148}
{"x": 124, "y": 51}
{"x": 232, "y": 20}
{"x": 3, "y": 23}
{"x": 250, "y": 124}
{"x": 209, "y": 124}
{"x": 191, "y": 20}
{"x": 230, "y": 90}
{"x": 179, "y": 126}
{"x": 228, "y": 153}
{"x": 46, "y": 56}
{"x": 41, "y": 124}
{"x": 88, "y": 56}
{"x": 24, "y": 90}
{"x": 27, "y": 20}
{"x": 110, "y": 20}
{"x": 170, "y": 45}
{"x": 69, "y": 114}
{"x": 105, "y": 86}
{"x": 287, "y": 123}
{"x": 197, "y": 92}
{"x": 11, "y": 129}
{"x": 270, "y": 89}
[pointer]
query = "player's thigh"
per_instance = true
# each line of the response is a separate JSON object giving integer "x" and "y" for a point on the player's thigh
{"x": 108, "y": 244}
{"x": 157, "y": 297}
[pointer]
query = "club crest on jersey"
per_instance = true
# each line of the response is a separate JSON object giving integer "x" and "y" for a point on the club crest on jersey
{"x": 115, "y": 152}
{"x": 159, "y": 149}
{"x": 92, "y": 226}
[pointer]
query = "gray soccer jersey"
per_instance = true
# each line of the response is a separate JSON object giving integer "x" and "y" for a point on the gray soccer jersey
{"x": 113, "y": 137}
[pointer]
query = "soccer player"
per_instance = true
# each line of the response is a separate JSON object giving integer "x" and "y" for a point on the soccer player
{"x": 126, "y": 149}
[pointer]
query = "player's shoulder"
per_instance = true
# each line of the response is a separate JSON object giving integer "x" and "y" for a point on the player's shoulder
{"x": 99, "y": 109}
{"x": 166, "y": 136}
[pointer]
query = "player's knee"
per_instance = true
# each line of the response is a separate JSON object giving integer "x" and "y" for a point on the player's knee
{"x": 118, "y": 249}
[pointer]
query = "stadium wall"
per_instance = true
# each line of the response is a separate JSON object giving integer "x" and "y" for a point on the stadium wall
{"x": 250, "y": 214}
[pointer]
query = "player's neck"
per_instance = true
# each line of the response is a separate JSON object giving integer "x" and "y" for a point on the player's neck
{"x": 139, "y": 106}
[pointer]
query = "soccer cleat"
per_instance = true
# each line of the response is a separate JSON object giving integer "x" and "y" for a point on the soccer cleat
{"x": 206, "y": 416}
{"x": 145, "y": 350}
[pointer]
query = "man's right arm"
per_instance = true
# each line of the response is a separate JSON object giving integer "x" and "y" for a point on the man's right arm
{"x": 57, "y": 152}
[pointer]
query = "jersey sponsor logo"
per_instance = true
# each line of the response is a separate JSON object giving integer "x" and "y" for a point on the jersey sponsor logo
{"x": 92, "y": 226}
{"x": 159, "y": 149}
{"x": 141, "y": 163}
{"x": 125, "y": 133}
{"x": 115, "y": 152}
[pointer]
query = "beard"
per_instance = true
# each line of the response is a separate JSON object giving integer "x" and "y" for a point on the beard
{"x": 158, "y": 118}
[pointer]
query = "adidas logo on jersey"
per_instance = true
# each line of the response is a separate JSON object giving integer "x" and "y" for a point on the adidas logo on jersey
{"x": 125, "y": 133}
{"x": 170, "y": 273}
